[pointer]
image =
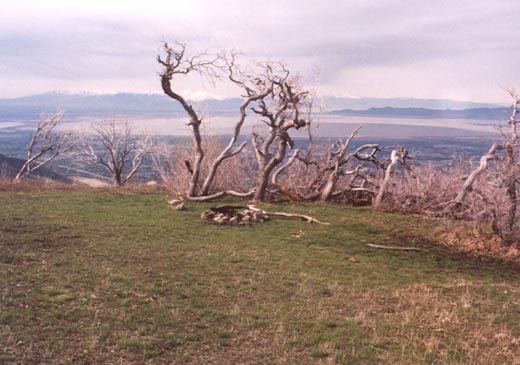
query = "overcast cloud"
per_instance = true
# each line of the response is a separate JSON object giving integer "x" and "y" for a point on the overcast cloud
{"x": 464, "y": 50}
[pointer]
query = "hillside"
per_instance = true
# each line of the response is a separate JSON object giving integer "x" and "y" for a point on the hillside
{"x": 114, "y": 277}
{"x": 9, "y": 167}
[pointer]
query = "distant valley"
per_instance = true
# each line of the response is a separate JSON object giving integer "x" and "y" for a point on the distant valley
{"x": 433, "y": 130}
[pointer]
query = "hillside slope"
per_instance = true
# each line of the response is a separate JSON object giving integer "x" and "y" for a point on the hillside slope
{"x": 9, "y": 167}
{"x": 115, "y": 277}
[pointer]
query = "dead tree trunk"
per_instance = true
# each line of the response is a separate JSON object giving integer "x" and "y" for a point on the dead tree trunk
{"x": 279, "y": 107}
{"x": 122, "y": 153}
{"x": 468, "y": 184}
{"x": 174, "y": 63}
{"x": 511, "y": 187}
{"x": 511, "y": 174}
{"x": 266, "y": 166}
{"x": 394, "y": 159}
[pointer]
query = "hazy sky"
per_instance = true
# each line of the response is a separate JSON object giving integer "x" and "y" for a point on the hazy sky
{"x": 466, "y": 50}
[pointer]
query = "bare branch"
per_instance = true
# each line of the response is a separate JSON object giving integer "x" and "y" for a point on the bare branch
{"x": 306, "y": 218}
{"x": 466, "y": 188}
{"x": 220, "y": 194}
{"x": 45, "y": 145}
{"x": 228, "y": 151}
{"x": 175, "y": 62}
{"x": 279, "y": 101}
{"x": 290, "y": 161}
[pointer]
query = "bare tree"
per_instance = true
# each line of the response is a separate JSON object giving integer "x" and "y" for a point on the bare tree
{"x": 252, "y": 94}
{"x": 510, "y": 174}
{"x": 121, "y": 153}
{"x": 281, "y": 102}
{"x": 336, "y": 161}
{"x": 336, "y": 171}
{"x": 360, "y": 175}
{"x": 45, "y": 145}
{"x": 485, "y": 192}
{"x": 175, "y": 63}
{"x": 273, "y": 95}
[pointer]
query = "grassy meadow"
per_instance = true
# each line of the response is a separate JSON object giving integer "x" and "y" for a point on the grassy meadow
{"x": 114, "y": 277}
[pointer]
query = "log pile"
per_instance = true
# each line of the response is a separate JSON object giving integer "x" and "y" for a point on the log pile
{"x": 249, "y": 214}
{"x": 234, "y": 215}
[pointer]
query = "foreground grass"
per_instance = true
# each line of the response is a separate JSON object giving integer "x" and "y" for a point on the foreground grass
{"x": 104, "y": 277}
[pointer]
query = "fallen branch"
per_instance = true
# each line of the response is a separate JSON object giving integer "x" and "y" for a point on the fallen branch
{"x": 220, "y": 195}
{"x": 394, "y": 247}
{"x": 306, "y": 218}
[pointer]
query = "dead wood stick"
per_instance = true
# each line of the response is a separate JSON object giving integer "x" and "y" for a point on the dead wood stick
{"x": 395, "y": 247}
{"x": 220, "y": 194}
{"x": 306, "y": 218}
{"x": 394, "y": 158}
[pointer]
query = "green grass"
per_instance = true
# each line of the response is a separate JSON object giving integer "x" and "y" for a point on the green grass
{"x": 115, "y": 277}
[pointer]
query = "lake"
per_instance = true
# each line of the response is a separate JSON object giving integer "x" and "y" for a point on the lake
{"x": 322, "y": 126}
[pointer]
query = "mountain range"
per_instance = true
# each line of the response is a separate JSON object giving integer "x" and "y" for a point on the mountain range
{"x": 158, "y": 105}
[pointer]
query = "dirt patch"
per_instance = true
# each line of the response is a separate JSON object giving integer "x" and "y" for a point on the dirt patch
{"x": 93, "y": 183}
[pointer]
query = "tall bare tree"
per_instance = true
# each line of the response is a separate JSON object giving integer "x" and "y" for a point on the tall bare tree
{"x": 281, "y": 103}
{"x": 252, "y": 95}
{"x": 271, "y": 93}
{"x": 175, "y": 63}
{"x": 45, "y": 145}
{"x": 121, "y": 153}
